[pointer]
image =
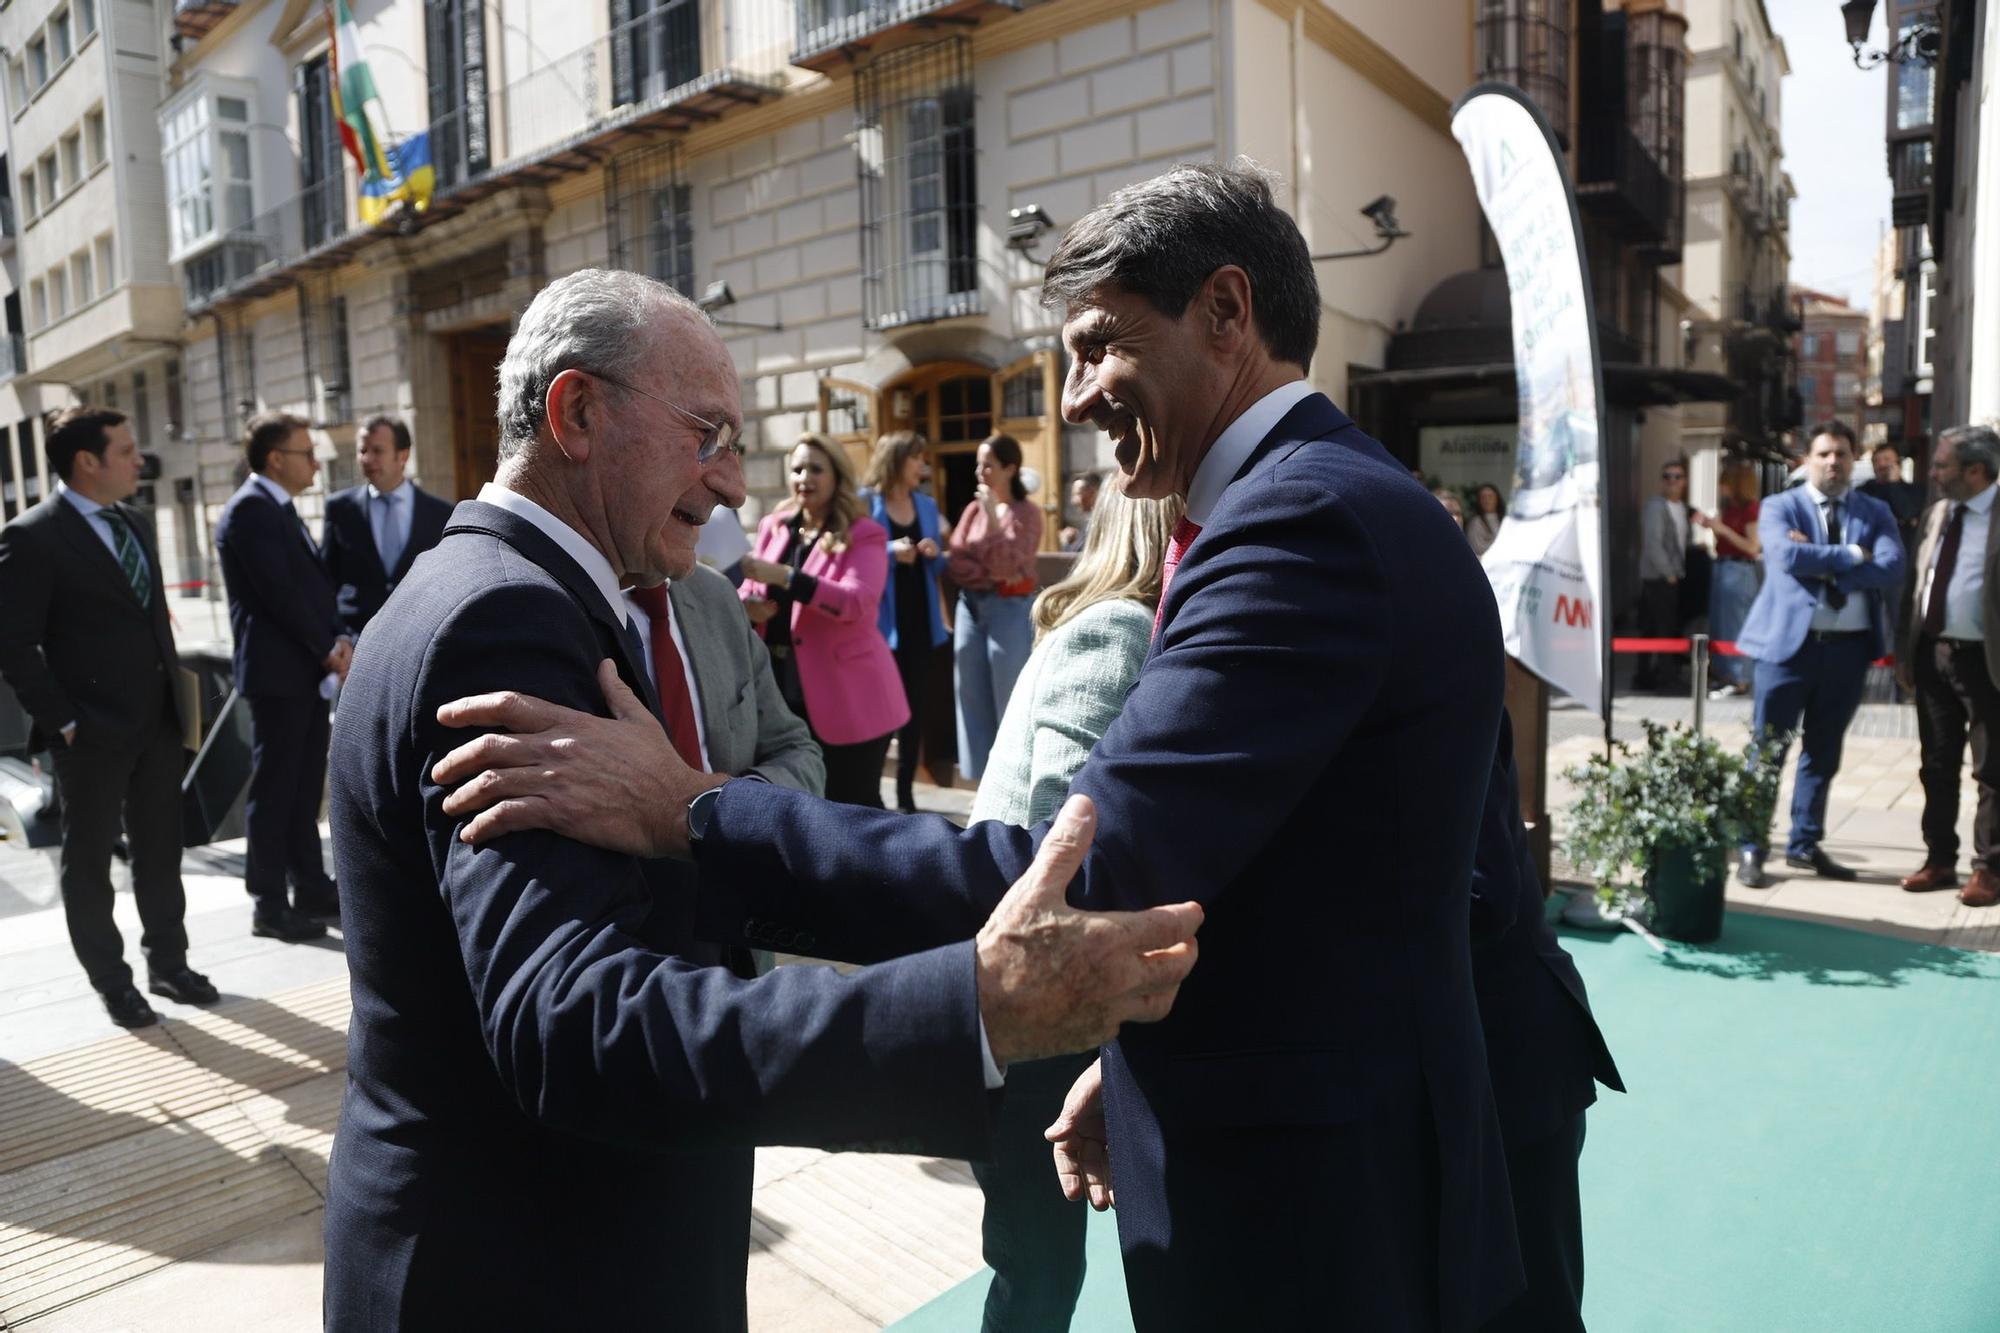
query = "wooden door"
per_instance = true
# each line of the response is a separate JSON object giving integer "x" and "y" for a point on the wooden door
{"x": 475, "y": 379}
{"x": 1025, "y": 397}
{"x": 848, "y": 413}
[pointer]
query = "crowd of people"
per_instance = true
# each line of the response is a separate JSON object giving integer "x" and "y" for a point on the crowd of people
{"x": 582, "y": 789}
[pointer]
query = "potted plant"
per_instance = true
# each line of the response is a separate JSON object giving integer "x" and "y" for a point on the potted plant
{"x": 1674, "y": 812}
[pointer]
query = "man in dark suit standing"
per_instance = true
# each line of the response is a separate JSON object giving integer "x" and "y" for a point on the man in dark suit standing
{"x": 290, "y": 646}
{"x": 85, "y": 643}
{"x": 1832, "y": 565}
{"x": 375, "y": 531}
{"x": 555, "y": 1079}
{"x": 1950, "y": 656}
{"x": 1302, "y": 754}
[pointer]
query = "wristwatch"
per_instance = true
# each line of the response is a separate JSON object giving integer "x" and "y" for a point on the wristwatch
{"x": 700, "y": 811}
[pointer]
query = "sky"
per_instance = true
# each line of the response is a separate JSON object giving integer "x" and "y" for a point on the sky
{"x": 1833, "y": 120}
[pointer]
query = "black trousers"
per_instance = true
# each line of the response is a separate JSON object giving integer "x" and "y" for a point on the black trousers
{"x": 913, "y": 665}
{"x": 1659, "y": 618}
{"x": 288, "y": 737}
{"x": 1031, "y": 1235}
{"x": 135, "y": 783}
{"x": 1956, "y": 702}
{"x": 1548, "y": 1217}
{"x": 854, "y": 772}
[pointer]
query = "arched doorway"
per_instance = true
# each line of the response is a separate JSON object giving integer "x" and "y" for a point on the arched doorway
{"x": 955, "y": 405}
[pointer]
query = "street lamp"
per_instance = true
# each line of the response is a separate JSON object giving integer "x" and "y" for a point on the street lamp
{"x": 1919, "y": 46}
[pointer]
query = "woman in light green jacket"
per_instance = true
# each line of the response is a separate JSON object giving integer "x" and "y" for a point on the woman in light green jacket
{"x": 1093, "y": 631}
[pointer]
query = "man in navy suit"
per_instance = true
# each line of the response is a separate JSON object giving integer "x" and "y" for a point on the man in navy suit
{"x": 375, "y": 531}
{"x": 555, "y": 1081}
{"x": 289, "y": 640}
{"x": 1308, "y": 753}
{"x": 1832, "y": 563}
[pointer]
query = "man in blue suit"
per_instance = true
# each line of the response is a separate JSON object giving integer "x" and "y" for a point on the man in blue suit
{"x": 555, "y": 1080}
{"x": 375, "y": 531}
{"x": 1308, "y": 752}
{"x": 1832, "y": 562}
{"x": 289, "y": 639}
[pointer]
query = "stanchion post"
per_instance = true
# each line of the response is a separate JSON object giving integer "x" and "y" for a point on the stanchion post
{"x": 1698, "y": 673}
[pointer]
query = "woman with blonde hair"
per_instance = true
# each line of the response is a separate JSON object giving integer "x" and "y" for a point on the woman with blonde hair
{"x": 1094, "y": 629}
{"x": 813, "y": 587}
{"x": 912, "y": 618}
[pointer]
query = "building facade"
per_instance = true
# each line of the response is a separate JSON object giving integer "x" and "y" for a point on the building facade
{"x": 1832, "y": 352}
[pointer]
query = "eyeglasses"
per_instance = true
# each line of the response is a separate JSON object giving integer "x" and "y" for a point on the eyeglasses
{"x": 294, "y": 451}
{"x": 1673, "y": 476}
{"x": 720, "y": 436}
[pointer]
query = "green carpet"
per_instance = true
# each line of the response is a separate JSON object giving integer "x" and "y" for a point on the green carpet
{"x": 1806, "y": 1144}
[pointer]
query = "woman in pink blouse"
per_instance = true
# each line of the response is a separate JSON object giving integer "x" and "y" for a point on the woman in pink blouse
{"x": 992, "y": 560}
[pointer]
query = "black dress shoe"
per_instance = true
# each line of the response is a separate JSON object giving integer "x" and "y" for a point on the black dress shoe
{"x": 1750, "y": 872}
{"x": 321, "y": 903}
{"x": 1822, "y": 865}
{"x": 185, "y": 985}
{"x": 284, "y": 923}
{"x": 128, "y": 1008}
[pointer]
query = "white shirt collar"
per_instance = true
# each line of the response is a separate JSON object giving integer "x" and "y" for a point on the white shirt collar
{"x": 1226, "y": 456}
{"x": 89, "y": 508}
{"x": 1818, "y": 497}
{"x": 271, "y": 488}
{"x": 1981, "y": 503}
{"x": 401, "y": 491}
{"x": 588, "y": 557}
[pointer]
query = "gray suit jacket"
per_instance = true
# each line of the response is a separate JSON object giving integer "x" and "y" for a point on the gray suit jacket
{"x": 750, "y": 730}
{"x": 1933, "y": 532}
{"x": 1662, "y": 549}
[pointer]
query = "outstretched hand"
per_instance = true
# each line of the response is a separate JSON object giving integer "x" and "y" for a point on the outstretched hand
{"x": 1054, "y": 980}
{"x": 1082, "y": 1147}
{"x": 615, "y": 782}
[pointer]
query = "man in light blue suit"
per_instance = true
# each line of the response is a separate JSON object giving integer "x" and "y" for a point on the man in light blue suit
{"x": 1832, "y": 559}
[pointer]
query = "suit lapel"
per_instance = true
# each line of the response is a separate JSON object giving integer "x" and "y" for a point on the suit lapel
{"x": 91, "y": 551}
{"x": 426, "y": 526}
{"x": 711, "y": 673}
{"x": 531, "y": 542}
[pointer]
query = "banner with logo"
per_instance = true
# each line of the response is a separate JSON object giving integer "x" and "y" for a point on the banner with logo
{"x": 1547, "y": 565}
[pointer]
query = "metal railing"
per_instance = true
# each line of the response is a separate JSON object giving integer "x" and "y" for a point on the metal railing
{"x": 275, "y": 238}
{"x": 825, "y": 25}
{"x": 1617, "y": 170}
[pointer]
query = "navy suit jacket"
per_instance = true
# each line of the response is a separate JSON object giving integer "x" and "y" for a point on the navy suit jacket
{"x": 1796, "y": 573}
{"x": 1307, "y": 753}
{"x": 347, "y": 542}
{"x": 553, "y": 1089}
{"x": 281, "y": 609}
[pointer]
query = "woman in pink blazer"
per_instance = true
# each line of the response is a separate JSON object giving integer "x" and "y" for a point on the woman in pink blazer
{"x": 813, "y": 587}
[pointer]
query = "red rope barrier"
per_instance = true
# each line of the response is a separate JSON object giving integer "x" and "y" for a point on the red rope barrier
{"x": 1716, "y": 648}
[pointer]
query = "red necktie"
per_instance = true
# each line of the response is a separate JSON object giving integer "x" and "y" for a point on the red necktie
{"x": 669, "y": 678}
{"x": 1185, "y": 531}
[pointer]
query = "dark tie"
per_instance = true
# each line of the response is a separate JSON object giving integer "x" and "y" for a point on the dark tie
{"x": 129, "y": 559}
{"x": 670, "y": 678}
{"x": 1835, "y": 598}
{"x": 1185, "y": 531}
{"x": 304, "y": 531}
{"x": 390, "y": 545}
{"x": 1947, "y": 560}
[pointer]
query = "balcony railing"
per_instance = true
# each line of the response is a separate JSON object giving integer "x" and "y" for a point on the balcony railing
{"x": 13, "y": 355}
{"x": 310, "y": 221}
{"x": 830, "y": 31}
{"x": 194, "y": 18}
{"x": 1618, "y": 178}
{"x": 1909, "y": 182}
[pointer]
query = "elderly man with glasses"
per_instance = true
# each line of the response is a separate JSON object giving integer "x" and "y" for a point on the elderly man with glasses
{"x": 558, "y": 1070}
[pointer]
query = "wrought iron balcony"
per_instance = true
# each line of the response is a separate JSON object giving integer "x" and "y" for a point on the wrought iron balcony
{"x": 194, "y": 18}
{"x": 1617, "y": 178}
{"x": 1910, "y": 182}
{"x": 832, "y": 31}
{"x": 311, "y": 225}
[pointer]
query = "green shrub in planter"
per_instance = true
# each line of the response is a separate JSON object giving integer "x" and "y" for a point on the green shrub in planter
{"x": 1674, "y": 812}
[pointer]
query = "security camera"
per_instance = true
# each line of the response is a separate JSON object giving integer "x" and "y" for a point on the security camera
{"x": 1383, "y": 214}
{"x": 1025, "y": 226}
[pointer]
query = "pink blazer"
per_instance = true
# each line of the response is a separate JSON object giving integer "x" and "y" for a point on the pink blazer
{"x": 845, "y": 667}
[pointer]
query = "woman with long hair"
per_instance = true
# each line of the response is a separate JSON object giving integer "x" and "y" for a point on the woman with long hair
{"x": 992, "y": 561}
{"x": 912, "y": 617}
{"x": 1093, "y": 630}
{"x": 1488, "y": 508}
{"x": 813, "y": 586}
{"x": 1739, "y": 571}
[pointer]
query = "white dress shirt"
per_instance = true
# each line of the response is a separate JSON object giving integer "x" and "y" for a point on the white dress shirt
{"x": 1225, "y": 458}
{"x": 100, "y": 518}
{"x": 1964, "y": 605}
{"x": 599, "y": 571}
{"x": 401, "y": 506}
{"x": 1854, "y": 614}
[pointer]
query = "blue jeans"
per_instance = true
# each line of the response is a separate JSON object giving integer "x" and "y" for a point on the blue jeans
{"x": 1730, "y": 594}
{"x": 991, "y": 640}
{"x": 1814, "y": 693}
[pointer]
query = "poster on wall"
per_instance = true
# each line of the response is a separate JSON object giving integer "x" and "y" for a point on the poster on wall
{"x": 1468, "y": 457}
{"x": 1547, "y": 564}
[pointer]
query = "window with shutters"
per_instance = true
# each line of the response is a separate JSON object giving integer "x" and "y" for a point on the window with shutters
{"x": 655, "y": 47}
{"x": 322, "y": 182}
{"x": 914, "y": 152}
{"x": 455, "y": 56}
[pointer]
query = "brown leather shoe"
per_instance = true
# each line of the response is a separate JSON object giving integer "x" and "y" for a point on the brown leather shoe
{"x": 1930, "y": 878}
{"x": 1982, "y": 890}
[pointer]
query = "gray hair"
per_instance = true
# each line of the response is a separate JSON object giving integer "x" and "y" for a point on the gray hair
{"x": 602, "y": 320}
{"x": 1160, "y": 239}
{"x": 1975, "y": 444}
